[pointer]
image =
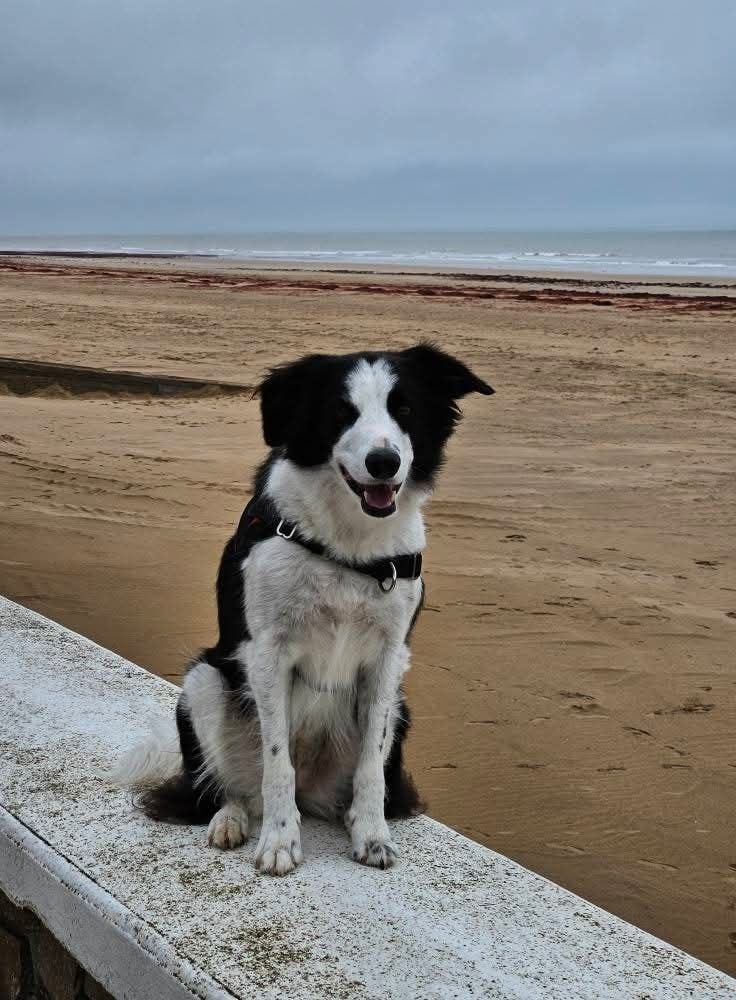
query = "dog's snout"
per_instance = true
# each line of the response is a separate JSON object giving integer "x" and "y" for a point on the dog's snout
{"x": 383, "y": 463}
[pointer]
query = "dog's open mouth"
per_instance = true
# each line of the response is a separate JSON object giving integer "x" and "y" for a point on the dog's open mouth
{"x": 376, "y": 499}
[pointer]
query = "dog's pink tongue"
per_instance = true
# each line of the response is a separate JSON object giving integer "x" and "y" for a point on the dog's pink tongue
{"x": 379, "y": 496}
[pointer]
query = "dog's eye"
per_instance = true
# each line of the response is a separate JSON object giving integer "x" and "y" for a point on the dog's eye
{"x": 404, "y": 411}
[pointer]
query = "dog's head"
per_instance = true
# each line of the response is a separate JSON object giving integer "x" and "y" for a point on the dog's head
{"x": 378, "y": 421}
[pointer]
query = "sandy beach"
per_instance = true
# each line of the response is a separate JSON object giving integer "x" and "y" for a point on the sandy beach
{"x": 573, "y": 689}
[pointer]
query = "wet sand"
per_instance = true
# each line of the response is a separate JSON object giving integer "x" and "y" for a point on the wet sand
{"x": 573, "y": 680}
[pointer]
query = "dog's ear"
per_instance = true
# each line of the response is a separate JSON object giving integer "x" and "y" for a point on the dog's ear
{"x": 439, "y": 369}
{"x": 282, "y": 395}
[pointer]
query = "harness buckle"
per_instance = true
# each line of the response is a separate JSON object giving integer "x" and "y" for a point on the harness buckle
{"x": 392, "y": 581}
{"x": 282, "y": 534}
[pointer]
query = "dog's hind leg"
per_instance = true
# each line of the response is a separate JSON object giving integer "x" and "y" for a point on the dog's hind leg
{"x": 402, "y": 798}
{"x": 229, "y": 826}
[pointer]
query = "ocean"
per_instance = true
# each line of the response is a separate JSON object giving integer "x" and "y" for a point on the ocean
{"x": 704, "y": 253}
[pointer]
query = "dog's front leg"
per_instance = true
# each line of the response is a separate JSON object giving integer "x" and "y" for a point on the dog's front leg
{"x": 377, "y": 690}
{"x": 270, "y": 677}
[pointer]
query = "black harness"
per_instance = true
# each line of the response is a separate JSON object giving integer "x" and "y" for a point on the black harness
{"x": 260, "y": 520}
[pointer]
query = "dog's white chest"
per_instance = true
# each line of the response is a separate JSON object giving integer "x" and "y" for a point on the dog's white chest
{"x": 335, "y": 642}
{"x": 334, "y": 621}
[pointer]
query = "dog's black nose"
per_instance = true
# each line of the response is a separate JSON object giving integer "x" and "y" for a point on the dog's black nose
{"x": 383, "y": 463}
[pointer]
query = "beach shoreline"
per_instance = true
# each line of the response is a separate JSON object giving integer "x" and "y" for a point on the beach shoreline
{"x": 659, "y": 253}
{"x": 526, "y": 274}
{"x": 572, "y": 687}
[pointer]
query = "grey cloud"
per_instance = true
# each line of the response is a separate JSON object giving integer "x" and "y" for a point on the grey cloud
{"x": 236, "y": 115}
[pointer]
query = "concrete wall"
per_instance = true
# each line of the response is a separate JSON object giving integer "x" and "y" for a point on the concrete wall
{"x": 149, "y": 912}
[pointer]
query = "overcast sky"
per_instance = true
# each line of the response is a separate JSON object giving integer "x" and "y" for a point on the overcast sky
{"x": 183, "y": 116}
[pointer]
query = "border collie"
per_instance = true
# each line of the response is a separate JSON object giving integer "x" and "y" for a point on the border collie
{"x": 299, "y": 705}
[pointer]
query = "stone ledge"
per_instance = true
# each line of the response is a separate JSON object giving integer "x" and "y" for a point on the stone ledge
{"x": 149, "y": 912}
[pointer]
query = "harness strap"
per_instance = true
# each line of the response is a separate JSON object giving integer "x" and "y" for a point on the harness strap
{"x": 260, "y": 520}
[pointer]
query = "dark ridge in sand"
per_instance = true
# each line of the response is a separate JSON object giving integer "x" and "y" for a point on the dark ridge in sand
{"x": 258, "y": 282}
{"x": 23, "y": 377}
{"x": 108, "y": 254}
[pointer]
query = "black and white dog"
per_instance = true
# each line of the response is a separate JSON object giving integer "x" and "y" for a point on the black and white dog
{"x": 299, "y": 705}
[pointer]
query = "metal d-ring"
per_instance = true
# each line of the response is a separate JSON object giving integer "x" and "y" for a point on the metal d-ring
{"x": 281, "y": 534}
{"x": 392, "y": 584}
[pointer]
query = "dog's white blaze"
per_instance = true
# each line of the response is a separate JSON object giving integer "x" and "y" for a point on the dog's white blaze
{"x": 369, "y": 386}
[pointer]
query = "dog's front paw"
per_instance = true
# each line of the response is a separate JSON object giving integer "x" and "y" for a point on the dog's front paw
{"x": 279, "y": 850}
{"x": 372, "y": 844}
{"x": 228, "y": 827}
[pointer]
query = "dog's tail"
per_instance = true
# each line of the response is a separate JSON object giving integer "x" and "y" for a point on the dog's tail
{"x": 164, "y": 784}
{"x": 156, "y": 759}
